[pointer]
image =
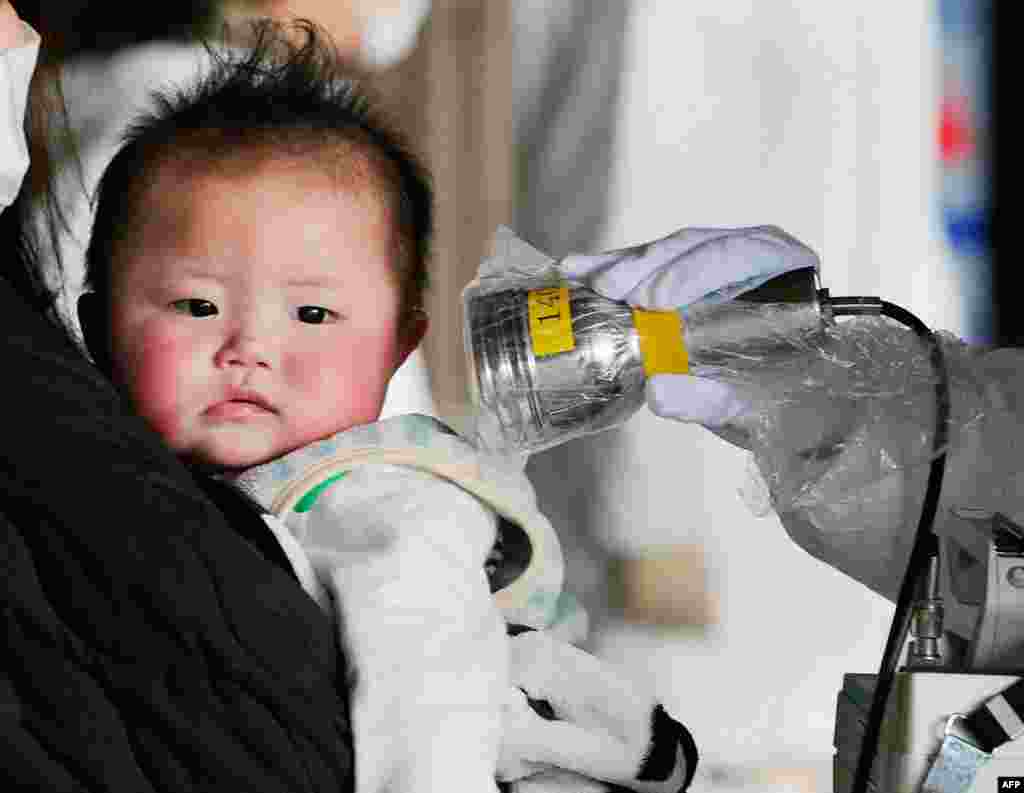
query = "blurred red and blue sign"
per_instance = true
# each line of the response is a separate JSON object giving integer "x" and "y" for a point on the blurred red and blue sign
{"x": 964, "y": 154}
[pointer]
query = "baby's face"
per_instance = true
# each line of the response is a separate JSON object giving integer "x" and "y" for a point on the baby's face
{"x": 254, "y": 314}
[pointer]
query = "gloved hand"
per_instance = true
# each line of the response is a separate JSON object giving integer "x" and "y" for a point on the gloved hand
{"x": 689, "y": 266}
{"x": 573, "y": 722}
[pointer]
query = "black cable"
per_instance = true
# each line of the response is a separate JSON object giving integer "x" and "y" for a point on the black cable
{"x": 925, "y": 542}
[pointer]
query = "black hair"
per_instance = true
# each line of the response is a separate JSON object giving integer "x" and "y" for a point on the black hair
{"x": 275, "y": 95}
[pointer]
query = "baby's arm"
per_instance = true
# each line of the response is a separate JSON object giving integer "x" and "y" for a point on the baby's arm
{"x": 404, "y": 552}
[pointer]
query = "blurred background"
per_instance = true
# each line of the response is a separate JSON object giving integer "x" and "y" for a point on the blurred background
{"x": 864, "y": 129}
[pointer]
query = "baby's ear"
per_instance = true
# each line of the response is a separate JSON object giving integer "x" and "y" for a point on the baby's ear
{"x": 92, "y": 316}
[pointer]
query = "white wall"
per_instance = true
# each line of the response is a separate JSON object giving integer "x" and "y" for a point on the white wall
{"x": 817, "y": 117}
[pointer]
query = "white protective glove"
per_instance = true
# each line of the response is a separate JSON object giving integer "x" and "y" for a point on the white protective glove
{"x": 689, "y": 266}
{"x": 19, "y": 48}
{"x": 573, "y": 723}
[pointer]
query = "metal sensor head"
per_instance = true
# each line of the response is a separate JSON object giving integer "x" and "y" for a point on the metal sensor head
{"x": 529, "y": 398}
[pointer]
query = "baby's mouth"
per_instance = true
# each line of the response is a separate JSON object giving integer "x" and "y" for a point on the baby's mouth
{"x": 240, "y": 407}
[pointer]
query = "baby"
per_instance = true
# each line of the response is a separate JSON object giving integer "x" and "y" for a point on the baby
{"x": 255, "y": 276}
{"x": 256, "y": 271}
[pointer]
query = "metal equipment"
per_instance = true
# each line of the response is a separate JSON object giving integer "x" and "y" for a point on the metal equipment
{"x": 965, "y": 658}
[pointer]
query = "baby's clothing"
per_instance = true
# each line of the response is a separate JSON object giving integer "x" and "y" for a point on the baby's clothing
{"x": 394, "y": 526}
{"x": 427, "y": 552}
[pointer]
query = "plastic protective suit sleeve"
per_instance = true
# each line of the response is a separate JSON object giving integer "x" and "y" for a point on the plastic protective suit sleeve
{"x": 856, "y": 503}
{"x": 841, "y": 424}
{"x": 16, "y": 67}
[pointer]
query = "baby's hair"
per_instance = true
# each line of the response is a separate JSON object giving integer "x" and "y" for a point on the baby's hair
{"x": 273, "y": 98}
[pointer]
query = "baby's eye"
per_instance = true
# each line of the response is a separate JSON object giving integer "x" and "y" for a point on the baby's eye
{"x": 195, "y": 307}
{"x": 316, "y": 315}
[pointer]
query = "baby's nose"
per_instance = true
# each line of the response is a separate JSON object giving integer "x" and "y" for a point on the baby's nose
{"x": 246, "y": 350}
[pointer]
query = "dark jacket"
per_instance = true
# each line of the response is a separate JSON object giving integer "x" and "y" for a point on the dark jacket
{"x": 151, "y": 640}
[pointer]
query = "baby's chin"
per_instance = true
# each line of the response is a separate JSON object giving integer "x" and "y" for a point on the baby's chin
{"x": 225, "y": 463}
{"x": 233, "y": 453}
{"x": 225, "y": 457}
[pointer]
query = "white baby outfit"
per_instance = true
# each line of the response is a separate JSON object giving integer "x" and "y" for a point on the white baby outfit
{"x": 390, "y": 526}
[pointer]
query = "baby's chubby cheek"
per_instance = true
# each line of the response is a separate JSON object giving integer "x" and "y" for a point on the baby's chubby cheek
{"x": 350, "y": 387}
{"x": 156, "y": 371}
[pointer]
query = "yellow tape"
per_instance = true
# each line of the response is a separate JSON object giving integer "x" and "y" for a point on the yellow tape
{"x": 550, "y": 321}
{"x": 661, "y": 342}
